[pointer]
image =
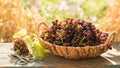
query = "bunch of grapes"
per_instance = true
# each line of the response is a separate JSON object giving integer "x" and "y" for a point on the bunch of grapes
{"x": 77, "y": 33}
{"x": 20, "y": 47}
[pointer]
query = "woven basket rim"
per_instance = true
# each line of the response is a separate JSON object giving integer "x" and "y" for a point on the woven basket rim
{"x": 71, "y": 52}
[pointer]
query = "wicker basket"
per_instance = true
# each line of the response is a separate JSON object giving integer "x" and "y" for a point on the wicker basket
{"x": 78, "y": 52}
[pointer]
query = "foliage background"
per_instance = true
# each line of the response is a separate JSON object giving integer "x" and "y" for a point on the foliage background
{"x": 112, "y": 20}
{"x": 91, "y": 10}
{"x": 16, "y": 15}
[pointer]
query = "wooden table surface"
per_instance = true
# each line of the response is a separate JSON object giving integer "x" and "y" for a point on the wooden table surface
{"x": 106, "y": 60}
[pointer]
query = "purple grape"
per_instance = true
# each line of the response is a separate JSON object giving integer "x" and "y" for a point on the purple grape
{"x": 77, "y": 33}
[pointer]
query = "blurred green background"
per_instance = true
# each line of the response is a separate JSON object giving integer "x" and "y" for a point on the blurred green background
{"x": 90, "y": 10}
{"x": 27, "y": 14}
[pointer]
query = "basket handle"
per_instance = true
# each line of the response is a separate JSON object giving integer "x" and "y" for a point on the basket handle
{"x": 110, "y": 38}
{"x": 39, "y": 29}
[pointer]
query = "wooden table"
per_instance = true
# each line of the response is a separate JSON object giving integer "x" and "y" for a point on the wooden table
{"x": 106, "y": 60}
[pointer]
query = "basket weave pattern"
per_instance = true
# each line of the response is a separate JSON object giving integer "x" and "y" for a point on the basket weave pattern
{"x": 78, "y": 52}
{"x": 75, "y": 52}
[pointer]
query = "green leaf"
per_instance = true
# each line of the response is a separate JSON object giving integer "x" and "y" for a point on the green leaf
{"x": 35, "y": 48}
{"x": 33, "y": 44}
{"x": 38, "y": 50}
{"x": 29, "y": 43}
{"x": 20, "y": 33}
{"x": 28, "y": 40}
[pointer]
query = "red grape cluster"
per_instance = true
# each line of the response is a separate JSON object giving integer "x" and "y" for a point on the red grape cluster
{"x": 20, "y": 47}
{"x": 77, "y": 33}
